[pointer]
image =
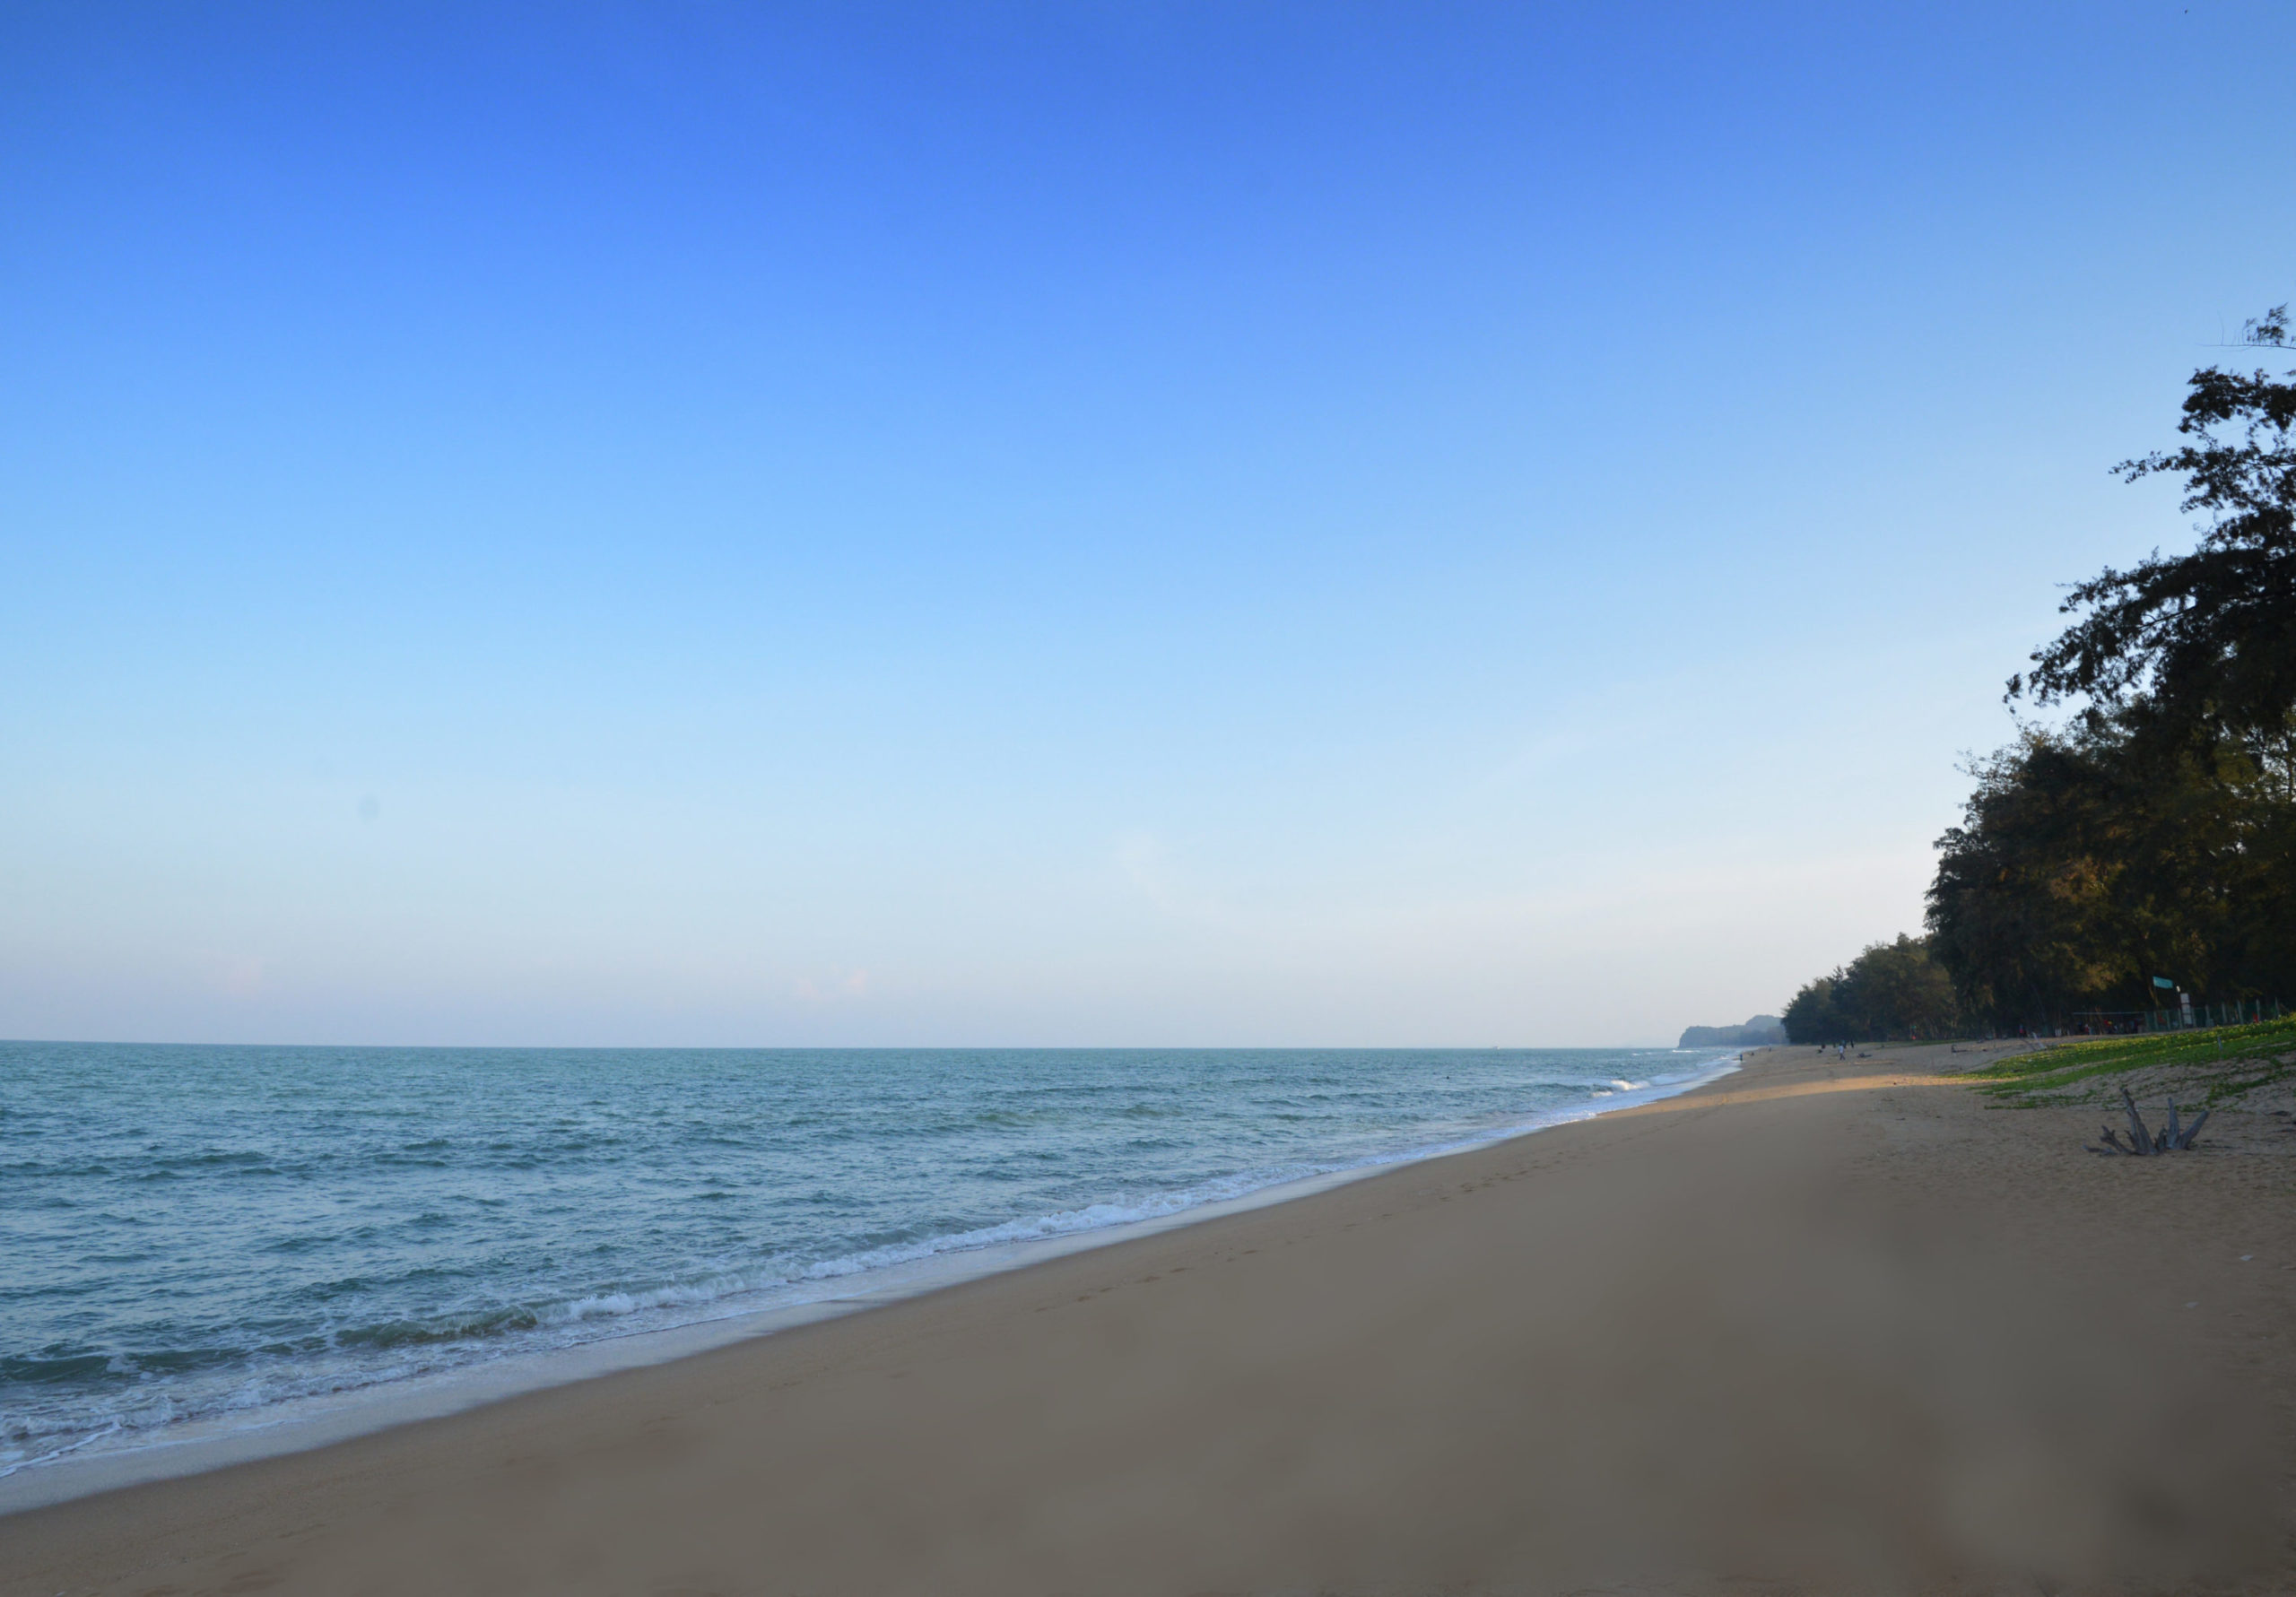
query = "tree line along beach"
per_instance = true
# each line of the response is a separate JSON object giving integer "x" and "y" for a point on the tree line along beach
{"x": 2137, "y": 858}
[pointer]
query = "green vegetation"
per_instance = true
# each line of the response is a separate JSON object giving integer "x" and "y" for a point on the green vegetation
{"x": 1891, "y": 990}
{"x": 2093, "y": 860}
{"x": 2147, "y": 846}
{"x": 2232, "y": 1060}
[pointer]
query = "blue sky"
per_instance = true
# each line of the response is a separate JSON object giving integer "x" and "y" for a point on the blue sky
{"x": 1066, "y": 523}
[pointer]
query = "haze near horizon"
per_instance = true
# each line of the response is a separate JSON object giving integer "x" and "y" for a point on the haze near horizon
{"x": 1133, "y": 524}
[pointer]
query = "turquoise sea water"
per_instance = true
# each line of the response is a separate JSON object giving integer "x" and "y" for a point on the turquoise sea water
{"x": 195, "y": 1232}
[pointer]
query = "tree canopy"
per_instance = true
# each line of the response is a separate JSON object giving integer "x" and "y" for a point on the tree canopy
{"x": 2204, "y": 640}
{"x": 2153, "y": 835}
{"x": 2156, "y": 834}
{"x": 1891, "y": 990}
{"x": 2090, "y": 861}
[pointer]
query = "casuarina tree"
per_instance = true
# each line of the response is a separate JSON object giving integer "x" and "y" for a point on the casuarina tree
{"x": 2205, "y": 642}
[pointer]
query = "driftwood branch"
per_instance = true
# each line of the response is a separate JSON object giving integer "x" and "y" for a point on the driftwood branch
{"x": 2176, "y": 1137}
{"x": 2138, "y": 1133}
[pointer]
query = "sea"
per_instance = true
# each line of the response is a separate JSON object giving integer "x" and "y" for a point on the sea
{"x": 195, "y": 1235}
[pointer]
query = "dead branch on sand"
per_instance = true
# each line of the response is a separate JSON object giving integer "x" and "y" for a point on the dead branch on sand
{"x": 2174, "y": 1138}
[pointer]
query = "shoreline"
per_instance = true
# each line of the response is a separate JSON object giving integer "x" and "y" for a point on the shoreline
{"x": 1818, "y": 1326}
{"x": 298, "y": 1425}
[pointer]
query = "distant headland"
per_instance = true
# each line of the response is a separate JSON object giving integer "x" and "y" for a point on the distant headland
{"x": 1762, "y": 1031}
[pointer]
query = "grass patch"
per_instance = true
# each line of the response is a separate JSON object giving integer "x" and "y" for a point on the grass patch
{"x": 2236, "y": 1059}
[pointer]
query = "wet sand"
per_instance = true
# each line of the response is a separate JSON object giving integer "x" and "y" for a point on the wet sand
{"x": 1821, "y": 1326}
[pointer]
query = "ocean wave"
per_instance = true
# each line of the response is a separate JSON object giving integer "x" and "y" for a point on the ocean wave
{"x": 594, "y": 1230}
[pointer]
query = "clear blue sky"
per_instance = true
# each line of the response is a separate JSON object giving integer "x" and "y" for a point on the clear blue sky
{"x": 1080, "y": 522}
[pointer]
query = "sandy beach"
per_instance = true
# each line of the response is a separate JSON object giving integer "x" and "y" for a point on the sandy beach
{"x": 1821, "y": 1326}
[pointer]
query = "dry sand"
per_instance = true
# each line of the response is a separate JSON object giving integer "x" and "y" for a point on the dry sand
{"x": 1821, "y": 1326}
